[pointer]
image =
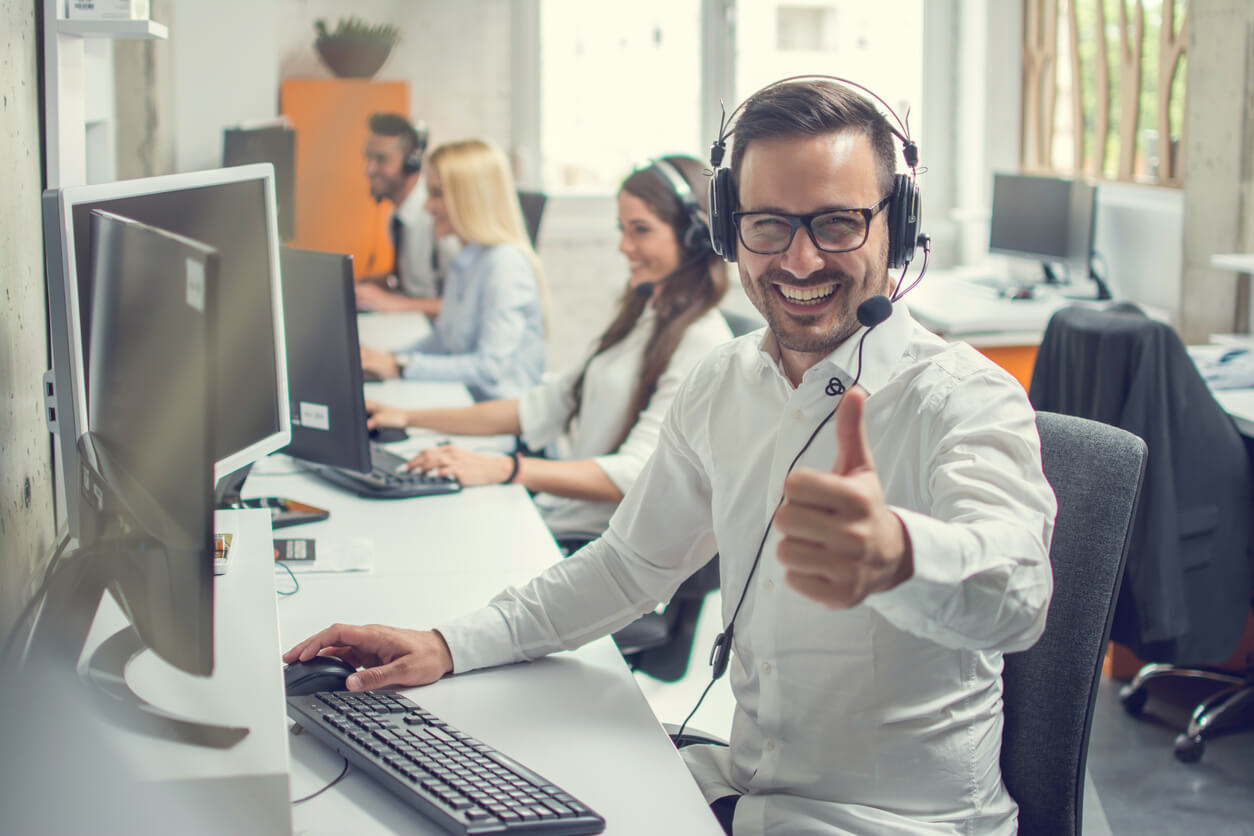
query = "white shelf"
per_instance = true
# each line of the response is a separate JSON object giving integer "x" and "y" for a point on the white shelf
{"x": 139, "y": 30}
{"x": 1241, "y": 262}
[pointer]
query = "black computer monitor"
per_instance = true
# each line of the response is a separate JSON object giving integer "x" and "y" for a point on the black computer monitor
{"x": 274, "y": 144}
{"x": 1046, "y": 219}
{"x": 145, "y": 482}
{"x": 148, "y": 447}
{"x": 324, "y": 360}
{"x": 232, "y": 210}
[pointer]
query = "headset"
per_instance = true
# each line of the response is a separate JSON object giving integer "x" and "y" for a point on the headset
{"x": 412, "y": 164}
{"x": 904, "y": 206}
{"x": 696, "y": 237}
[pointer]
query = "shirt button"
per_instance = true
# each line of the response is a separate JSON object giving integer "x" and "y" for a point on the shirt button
{"x": 798, "y": 415}
{"x": 768, "y": 584}
{"x": 766, "y": 667}
{"x": 770, "y": 745}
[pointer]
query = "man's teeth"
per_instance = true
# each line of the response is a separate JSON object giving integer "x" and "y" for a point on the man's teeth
{"x": 806, "y": 294}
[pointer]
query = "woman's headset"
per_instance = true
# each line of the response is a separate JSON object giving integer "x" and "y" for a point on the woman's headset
{"x": 696, "y": 236}
{"x": 904, "y": 207}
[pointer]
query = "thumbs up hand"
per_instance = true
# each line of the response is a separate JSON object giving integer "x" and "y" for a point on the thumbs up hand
{"x": 841, "y": 542}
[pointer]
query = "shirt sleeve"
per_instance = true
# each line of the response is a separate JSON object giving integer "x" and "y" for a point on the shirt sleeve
{"x": 542, "y": 410}
{"x": 982, "y": 578}
{"x": 609, "y": 583}
{"x": 623, "y": 466}
{"x": 509, "y": 289}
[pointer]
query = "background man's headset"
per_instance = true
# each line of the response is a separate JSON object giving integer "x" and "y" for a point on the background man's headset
{"x": 412, "y": 164}
{"x": 695, "y": 239}
{"x": 903, "y": 214}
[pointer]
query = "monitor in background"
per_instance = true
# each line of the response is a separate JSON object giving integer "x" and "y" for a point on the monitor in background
{"x": 328, "y": 406}
{"x": 145, "y": 483}
{"x": 1046, "y": 219}
{"x": 229, "y": 209}
{"x": 274, "y": 144}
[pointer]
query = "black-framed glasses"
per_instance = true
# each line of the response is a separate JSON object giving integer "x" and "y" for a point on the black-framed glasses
{"x": 833, "y": 230}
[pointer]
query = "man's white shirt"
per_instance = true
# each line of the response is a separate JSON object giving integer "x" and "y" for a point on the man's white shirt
{"x": 885, "y": 717}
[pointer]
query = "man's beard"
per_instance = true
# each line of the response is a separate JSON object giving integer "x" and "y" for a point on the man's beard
{"x": 789, "y": 328}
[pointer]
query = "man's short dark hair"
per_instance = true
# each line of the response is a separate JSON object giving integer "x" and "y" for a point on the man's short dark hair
{"x": 813, "y": 108}
{"x": 394, "y": 124}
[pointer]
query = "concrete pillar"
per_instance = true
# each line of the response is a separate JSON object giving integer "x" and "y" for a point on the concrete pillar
{"x": 26, "y": 488}
{"x": 1218, "y": 170}
{"x": 144, "y": 102}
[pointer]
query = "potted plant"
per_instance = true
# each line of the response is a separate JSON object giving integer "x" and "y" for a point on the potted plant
{"x": 355, "y": 49}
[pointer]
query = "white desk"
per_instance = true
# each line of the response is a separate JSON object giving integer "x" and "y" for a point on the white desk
{"x": 576, "y": 718}
{"x": 391, "y": 331}
{"x": 950, "y": 303}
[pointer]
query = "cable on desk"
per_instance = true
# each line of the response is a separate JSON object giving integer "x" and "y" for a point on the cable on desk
{"x": 295, "y": 581}
{"x": 317, "y": 793}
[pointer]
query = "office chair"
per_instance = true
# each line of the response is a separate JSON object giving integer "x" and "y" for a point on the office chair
{"x": 660, "y": 643}
{"x": 1049, "y": 690}
{"x": 532, "y": 206}
{"x": 1186, "y": 597}
{"x": 741, "y": 324}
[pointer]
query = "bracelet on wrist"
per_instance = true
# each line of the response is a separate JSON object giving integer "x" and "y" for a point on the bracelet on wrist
{"x": 513, "y": 471}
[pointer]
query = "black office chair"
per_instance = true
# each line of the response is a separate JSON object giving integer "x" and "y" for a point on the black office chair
{"x": 660, "y": 643}
{"x": 532, "y": 206}
{"x": 741, "y": 324}
{"x": 1049, "y": 690}
{"x": 1187, "y": 593}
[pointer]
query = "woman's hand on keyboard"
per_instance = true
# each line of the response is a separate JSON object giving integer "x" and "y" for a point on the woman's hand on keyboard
{"x": 387, "y": 655}
{"x": 469, "y": 468}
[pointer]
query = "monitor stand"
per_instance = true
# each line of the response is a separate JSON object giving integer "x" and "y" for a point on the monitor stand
{"x": 283, "y": 512}
{"x": 56, "y": 642}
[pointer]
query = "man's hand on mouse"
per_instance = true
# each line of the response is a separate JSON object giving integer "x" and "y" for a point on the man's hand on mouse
{"x": 841, "y": 540}
{"x": 388, "y": 655}
{"x": 380, "y": 415}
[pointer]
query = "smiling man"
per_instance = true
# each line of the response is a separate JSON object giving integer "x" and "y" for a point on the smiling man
{"x": 874, "y": 568}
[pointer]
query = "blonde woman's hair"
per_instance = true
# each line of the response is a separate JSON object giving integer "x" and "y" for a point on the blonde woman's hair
{"x": 482, "y": 201}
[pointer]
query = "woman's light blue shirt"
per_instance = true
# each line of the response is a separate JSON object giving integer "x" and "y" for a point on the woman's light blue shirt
{"x": 490, "y": 331}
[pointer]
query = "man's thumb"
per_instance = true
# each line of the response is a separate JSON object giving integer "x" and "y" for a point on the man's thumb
{"x": 369, "y": 679}
{"x": 853, "y": 454}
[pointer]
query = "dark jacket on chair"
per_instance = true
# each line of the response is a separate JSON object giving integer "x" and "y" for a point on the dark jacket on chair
{"x": 1186, "y": 591}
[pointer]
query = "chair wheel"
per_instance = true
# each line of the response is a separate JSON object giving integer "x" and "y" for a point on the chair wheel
{"x": 1188, "y": 749}
{"x": 1133, "y": 699}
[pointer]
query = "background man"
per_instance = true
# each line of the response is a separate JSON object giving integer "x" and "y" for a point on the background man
{"x": 393, "y": 162}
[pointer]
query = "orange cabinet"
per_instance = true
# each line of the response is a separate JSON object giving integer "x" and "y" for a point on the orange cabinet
{"x": 334, "y": 211}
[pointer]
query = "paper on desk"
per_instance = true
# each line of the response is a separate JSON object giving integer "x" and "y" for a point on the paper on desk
{"x": 344, "y": 554}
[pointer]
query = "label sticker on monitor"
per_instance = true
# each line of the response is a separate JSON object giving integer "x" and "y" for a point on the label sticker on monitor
{"x": 196, "y": 284}
{"x": 315, "y": 416}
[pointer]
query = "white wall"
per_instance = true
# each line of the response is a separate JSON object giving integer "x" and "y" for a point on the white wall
{"x": 230, "y": 57}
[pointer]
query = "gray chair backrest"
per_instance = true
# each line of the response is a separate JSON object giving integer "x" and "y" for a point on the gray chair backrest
{"x": 739, "y": 323}
{"x": 1050, "y": 689}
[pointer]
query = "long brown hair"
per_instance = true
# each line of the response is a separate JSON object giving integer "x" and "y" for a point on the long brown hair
{"x": 696, "y": 286}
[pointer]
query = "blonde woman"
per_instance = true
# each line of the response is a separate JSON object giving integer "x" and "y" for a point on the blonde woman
{"x": 605, "y": 413}
{"x": 490, "y": 331}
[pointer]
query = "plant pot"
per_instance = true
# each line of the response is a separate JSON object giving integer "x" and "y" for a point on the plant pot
{"x": 352, "y": 57}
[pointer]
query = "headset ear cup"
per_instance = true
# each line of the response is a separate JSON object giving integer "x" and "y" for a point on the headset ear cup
{"x": 722, "y": 204}
{"x": 903, "y": 221}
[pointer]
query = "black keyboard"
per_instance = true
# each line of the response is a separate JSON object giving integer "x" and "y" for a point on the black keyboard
{"x": 385, "y": 482}
{"x": 459, "y": 783}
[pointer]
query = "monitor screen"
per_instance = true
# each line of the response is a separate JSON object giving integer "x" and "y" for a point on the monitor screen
{"x": 274, "y": 144}
{"x": 229, "y": 209}
{"x": 147, "y": 482}
{"x": 323, "y": 360}
{"x": 1049, "y": 219}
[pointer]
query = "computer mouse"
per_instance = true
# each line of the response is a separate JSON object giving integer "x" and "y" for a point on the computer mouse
{"x": 386, "y": 435}
{"x": 321, "y": 673}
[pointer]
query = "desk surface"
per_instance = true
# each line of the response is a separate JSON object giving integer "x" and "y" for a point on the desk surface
{"x": 954, "y": 304}
{"x": 577, "y": 718}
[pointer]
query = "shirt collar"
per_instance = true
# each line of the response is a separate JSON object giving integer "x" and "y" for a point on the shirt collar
{"x": 414, "y": 205}
{"x": 885, "y": 344}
